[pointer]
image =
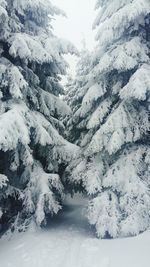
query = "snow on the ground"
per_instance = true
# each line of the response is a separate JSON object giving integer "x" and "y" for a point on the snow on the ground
{"x": 69, "y": 242}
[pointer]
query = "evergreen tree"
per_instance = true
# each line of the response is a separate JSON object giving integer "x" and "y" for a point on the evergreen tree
{"x": 76, "y": 127}
{"x": 113, "y": 109}
{"x": 33, "y": 152}
{"x": 74, "y": 96}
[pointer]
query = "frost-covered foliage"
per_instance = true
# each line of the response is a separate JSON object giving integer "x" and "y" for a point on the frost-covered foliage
{"x": 74, "y": 95}
{"x": 112, "y": 115}
{"x": 33, "y": 152}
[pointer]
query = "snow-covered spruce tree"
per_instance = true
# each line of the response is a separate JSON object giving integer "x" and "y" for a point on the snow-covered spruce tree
{"x": 113, "y": 116}
{"x": 32, "y": 149}
{"x": 75, "y": 90}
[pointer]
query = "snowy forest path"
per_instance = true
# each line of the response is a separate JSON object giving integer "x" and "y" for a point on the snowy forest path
{"x": 74, "y": 219}
{"x": 68, "y": 241}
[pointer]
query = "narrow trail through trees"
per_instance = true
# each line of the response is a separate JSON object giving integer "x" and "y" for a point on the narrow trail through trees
{"x": 72, "y": 217}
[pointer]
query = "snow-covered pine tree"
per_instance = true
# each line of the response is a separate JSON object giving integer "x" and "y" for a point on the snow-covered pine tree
{"x": 114, "y": 108}
{"x": 75, "y": 91}
{"x": 76, "y": 127}
{"x": 32, "y": 149}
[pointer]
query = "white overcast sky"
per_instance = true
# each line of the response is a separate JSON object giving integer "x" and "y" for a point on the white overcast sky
{"x": 78, "y": 24}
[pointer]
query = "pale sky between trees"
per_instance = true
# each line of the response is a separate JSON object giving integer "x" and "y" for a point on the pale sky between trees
{"x": 77, "y": 26}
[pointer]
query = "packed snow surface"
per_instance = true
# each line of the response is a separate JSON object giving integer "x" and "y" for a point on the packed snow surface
{"x": 69, "y": 242}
